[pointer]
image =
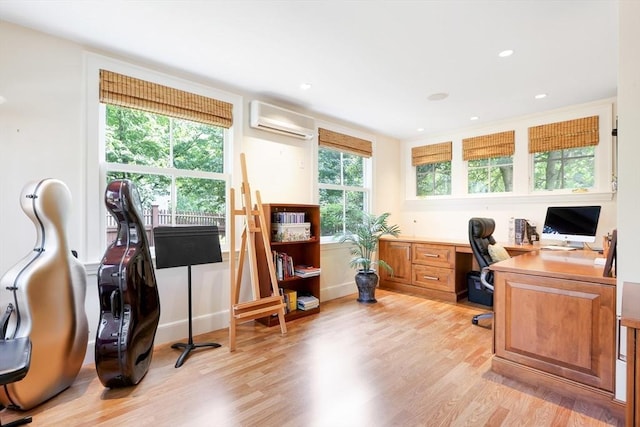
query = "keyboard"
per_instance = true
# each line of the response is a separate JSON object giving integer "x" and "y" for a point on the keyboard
{"x": 558, "y": 248}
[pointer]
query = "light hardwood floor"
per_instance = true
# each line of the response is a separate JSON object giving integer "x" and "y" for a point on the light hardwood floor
{"x": 405, "y": 361}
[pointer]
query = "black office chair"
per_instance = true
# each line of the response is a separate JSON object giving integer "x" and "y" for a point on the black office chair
{"x": 15, "y": 359}
{"x": 480, "y": 237}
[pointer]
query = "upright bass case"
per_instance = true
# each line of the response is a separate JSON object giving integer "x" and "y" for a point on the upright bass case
{"x": 129, "y": 300}
{"x": 43, "y": 297}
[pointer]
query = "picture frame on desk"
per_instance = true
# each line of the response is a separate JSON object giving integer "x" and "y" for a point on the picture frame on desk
{"x": 611, "y": 256}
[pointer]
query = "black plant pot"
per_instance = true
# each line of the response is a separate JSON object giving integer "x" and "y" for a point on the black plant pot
{"x": 367, "y": 283}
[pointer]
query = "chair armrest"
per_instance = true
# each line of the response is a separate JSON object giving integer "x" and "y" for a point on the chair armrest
{"x": 483, "y": 278}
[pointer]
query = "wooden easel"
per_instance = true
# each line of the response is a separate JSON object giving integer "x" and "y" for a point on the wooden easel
{"x": 258, "y": 307}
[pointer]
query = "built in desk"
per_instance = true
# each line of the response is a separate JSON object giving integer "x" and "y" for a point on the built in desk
{"x": 555, "y": 313}
{"x": 554, "y": 324}
{"x": 432, "y": 268}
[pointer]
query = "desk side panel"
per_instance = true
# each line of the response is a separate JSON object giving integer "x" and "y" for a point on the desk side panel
{"x": 564, "y": 327}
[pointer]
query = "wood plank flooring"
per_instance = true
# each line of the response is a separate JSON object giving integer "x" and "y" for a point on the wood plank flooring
{"x": 405, "y": 361}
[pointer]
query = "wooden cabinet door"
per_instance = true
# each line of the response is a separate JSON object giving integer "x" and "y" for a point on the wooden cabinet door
{"x": 563, "y": 327}
{"x": 398, "y": 256}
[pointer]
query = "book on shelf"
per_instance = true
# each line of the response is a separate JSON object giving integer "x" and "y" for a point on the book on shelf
{"x": 285, "y": 300}
{"x": 306, "y": 271}
{"x": 283, "y": 264}
{"x": 287, "y": 217}
{"x": 291, "y": 299}
{"x": 307, "y": 302}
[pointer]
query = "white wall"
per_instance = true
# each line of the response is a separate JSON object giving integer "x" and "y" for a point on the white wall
{"x": 41, "y": 131}
{"x": 628, "y": 155}
{"x": 45, "y": 132}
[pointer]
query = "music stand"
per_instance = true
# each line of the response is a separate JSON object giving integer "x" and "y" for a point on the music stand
{"x": 187, "y": 246}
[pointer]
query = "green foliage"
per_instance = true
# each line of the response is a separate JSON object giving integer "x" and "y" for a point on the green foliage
{"x": 433, "y": 179}
{"x": 340, "y": 207}
{"x": 364, "y": 238}
{"x": 491, "y": 175}
{"x": 564, "y": 169}
{"x": 135, "y": 137}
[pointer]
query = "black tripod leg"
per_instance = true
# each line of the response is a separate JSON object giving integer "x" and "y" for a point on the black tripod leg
{"x": 190, "y": 345}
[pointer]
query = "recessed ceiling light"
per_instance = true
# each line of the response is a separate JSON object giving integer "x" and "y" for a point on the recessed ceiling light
{"x": 437, "y": 96}
{"x": 305, "y": 86}
{"x": 474, "y": 118}
{"x": 505, "y": 53}
{"x": 540, "y": 96}
{"x": 420, "y": 129}
{"x": 2, "y": 99}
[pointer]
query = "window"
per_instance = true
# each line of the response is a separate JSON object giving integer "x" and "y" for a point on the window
{"x": 176, "y": 165}
{"x": 433, "y": 169}
{"x": 489, "y": 162}
{"x": 433, "y": 179}
{"x": 492, "y": 175}
{"x": 172, "y": 144}
{"x": 343, "y": 181}
{"x": 564, "y": 169}
{"x": 564, "y": 154}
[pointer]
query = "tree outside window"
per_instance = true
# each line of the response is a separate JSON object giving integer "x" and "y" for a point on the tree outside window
{"x": 564, "y": 154}
{"x": 177, "y": 166}
{"x": 491, "y": 175}
{"x": 343, "y": 195}
{"x": 571, "y": 168}
{"x": 433, "y": 179}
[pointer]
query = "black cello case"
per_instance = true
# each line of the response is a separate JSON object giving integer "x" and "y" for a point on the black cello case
{"x": 129, "y": 300}
{"x": 42, "y": 297}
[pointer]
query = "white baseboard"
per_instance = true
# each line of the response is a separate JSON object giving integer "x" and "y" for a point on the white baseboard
{"x": 338, "y": 291}
{"x": 176, "y": 331}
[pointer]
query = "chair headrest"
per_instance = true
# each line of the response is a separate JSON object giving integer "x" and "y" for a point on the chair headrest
{"x": 481, "y": 228}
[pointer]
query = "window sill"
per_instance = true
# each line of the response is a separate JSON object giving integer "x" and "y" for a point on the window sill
{"x": 92, "y": 267}
{"x": 538, "y": 197}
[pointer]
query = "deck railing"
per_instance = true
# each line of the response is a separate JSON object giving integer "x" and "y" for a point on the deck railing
{"x": 156, "y": 217}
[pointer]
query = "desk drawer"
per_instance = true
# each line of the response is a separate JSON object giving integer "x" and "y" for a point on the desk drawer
{"x": 436, "y": 255}
{"x": 442, "y": 279}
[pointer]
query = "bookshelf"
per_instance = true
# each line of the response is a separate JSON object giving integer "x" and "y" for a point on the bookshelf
{"x": 303, "y": 252}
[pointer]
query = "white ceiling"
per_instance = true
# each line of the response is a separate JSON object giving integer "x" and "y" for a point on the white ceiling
{"x": 371, "y": 63}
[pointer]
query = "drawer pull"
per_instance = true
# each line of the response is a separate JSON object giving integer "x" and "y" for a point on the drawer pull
{"x": 430, "y": 278}
{"x": 432, "y": 255}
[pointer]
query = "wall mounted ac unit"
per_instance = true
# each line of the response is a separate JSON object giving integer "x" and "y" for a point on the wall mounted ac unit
{"x": 275, "y": 119}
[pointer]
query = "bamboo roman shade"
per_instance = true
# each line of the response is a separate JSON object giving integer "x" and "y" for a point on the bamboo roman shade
{"x": 576, "y": 133}
{"x": 434, "y": 153}
{"x": 342, "y": 142}
{"x": 486, "y": 146}
{"x": 125, "y": 91}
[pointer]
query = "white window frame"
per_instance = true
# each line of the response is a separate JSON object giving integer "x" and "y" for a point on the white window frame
{"x": 489, "y": 168}
{"x": 415, "y": 173}
{"x": 96, "y": 166}
{"x": 368, "y": 169}
{"x": 563, "y": 190}
{"x": 523, "y": 192}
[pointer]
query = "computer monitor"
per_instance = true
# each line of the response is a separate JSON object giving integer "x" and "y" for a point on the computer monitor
{"x": 571, "y": 224}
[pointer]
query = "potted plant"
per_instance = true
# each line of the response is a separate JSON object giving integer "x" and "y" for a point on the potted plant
{"x": 364, "y": 244}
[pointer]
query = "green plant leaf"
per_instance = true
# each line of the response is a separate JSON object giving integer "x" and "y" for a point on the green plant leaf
{"x": 364, "y": 240}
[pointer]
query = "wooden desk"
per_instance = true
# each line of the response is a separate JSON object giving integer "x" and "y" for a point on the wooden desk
{"x": 432, "y": 268}
{"x": 554, "y": 324}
